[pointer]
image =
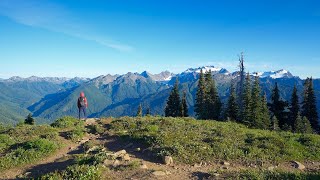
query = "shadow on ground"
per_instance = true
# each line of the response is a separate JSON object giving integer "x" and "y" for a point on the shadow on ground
{"x": 200, "y": 175}
{"x": 58, "y": 165}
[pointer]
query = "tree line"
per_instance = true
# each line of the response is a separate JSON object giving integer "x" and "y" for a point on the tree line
{"x": 248, "y": 104}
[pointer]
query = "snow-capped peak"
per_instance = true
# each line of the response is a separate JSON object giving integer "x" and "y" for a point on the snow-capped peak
{"x": 163, "y": 76}
{"x": 206, "y": 69}
{"x": 274, "y": 74}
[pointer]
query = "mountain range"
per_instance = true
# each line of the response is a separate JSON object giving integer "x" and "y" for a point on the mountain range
{"x": 48, "y": 98}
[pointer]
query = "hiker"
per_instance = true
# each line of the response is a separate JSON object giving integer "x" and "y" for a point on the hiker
{"x": 82, "y": 105}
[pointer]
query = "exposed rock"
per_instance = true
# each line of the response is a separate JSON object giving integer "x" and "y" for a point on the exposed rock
{"x": 84, "y": 140}
{"x": 137, "y": 149}
{"x": 143, "y": 166}
{"x": 120, "y": 153}
{"x": 225, "y": 163}
{"x": 159, "y": 173}
{"x": 108, "y": 162}
{"x": 116, "y": 163}
{"x": 197, "y": 165}
{"x": 298, "y": 165}
{"x": 92, "y": 149}
{"x": 125, "y": 157}
{"x": 90, "y": 121}
{"x": 167, "y": 160}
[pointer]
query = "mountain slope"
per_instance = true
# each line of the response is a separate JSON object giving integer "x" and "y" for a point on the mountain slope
{"x": 107, "y": 96}
{"x": 120, "y": 95}
{"x": 17, "y": 94}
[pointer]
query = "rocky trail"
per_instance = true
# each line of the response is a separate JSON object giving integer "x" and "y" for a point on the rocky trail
{"x": 131, "y": 161}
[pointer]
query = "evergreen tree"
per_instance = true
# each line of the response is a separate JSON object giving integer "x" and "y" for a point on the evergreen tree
{"x": 278, "y": 107}
{"x": 240, "y": 86}
{"x": 232, "y": 110}
{"x": 29, "y": 120}
{"x": 184, "y": 105}
{"x": 309, "y": 107}
{"x": 246, "y": 101}
{"x": 302, "y": 125}
{"x": 148, "y": 112}
{"x": 256, "y": 107}
{"x": 265, "y": 114}
{"x": 173, "y": 107}
{"x": 212, "y": 100}
{"x": 305, "y": 104}
{"x": 139, "y": 112}
{"x": 307, "y": 126}
{"x": 275, "y": 124}
{"x": 199, "y": 106}
{"x": 294, "y": 107}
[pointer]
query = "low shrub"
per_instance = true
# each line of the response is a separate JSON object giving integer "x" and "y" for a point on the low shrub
{"x": 65, "y": 122}
{"x": 27, "y": 152}
{"x": 76, "y": 172}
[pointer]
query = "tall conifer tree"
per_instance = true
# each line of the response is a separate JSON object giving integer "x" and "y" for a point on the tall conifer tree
{"x": 246, "y": 114}
{"x": 232, "y": 110}
{"x": 313, "y": 116}
{"x": 265, "y": 114}
{"x": 184, "y": 105}
{"x": 139, "y": 112}
{"x": 199, "y": 106}
{"x": 212, "y": 100}
{"x": 173, "y": 107}
{"x": 278, "y": 106}
{"x": 294, "y": 107}
{"x": 256, "y": 107}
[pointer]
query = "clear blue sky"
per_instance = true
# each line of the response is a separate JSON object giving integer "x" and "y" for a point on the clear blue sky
{"x": 88, "y": 38}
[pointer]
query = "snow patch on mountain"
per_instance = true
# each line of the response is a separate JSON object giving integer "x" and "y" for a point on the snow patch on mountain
{"x": 274, "y": 74}
{"x": 163, "y": 76}
{"x": 206, "y": 69}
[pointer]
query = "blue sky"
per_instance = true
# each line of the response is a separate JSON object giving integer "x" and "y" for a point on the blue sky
{"x": 88, "y": 38}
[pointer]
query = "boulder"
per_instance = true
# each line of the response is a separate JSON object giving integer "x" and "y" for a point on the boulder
{"x": 120, "y": 153}
{"x": 116, "y": 163}
{"x": 125, "y": 157}
{"x": 108, "y": 162}
{"x": 225, "y": 163}
{"x": 298, "y": 165}
{"x": 167, "y": 160}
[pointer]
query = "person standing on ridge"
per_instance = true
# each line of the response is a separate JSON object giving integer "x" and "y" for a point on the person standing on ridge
{"x": 82, "y": 105}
